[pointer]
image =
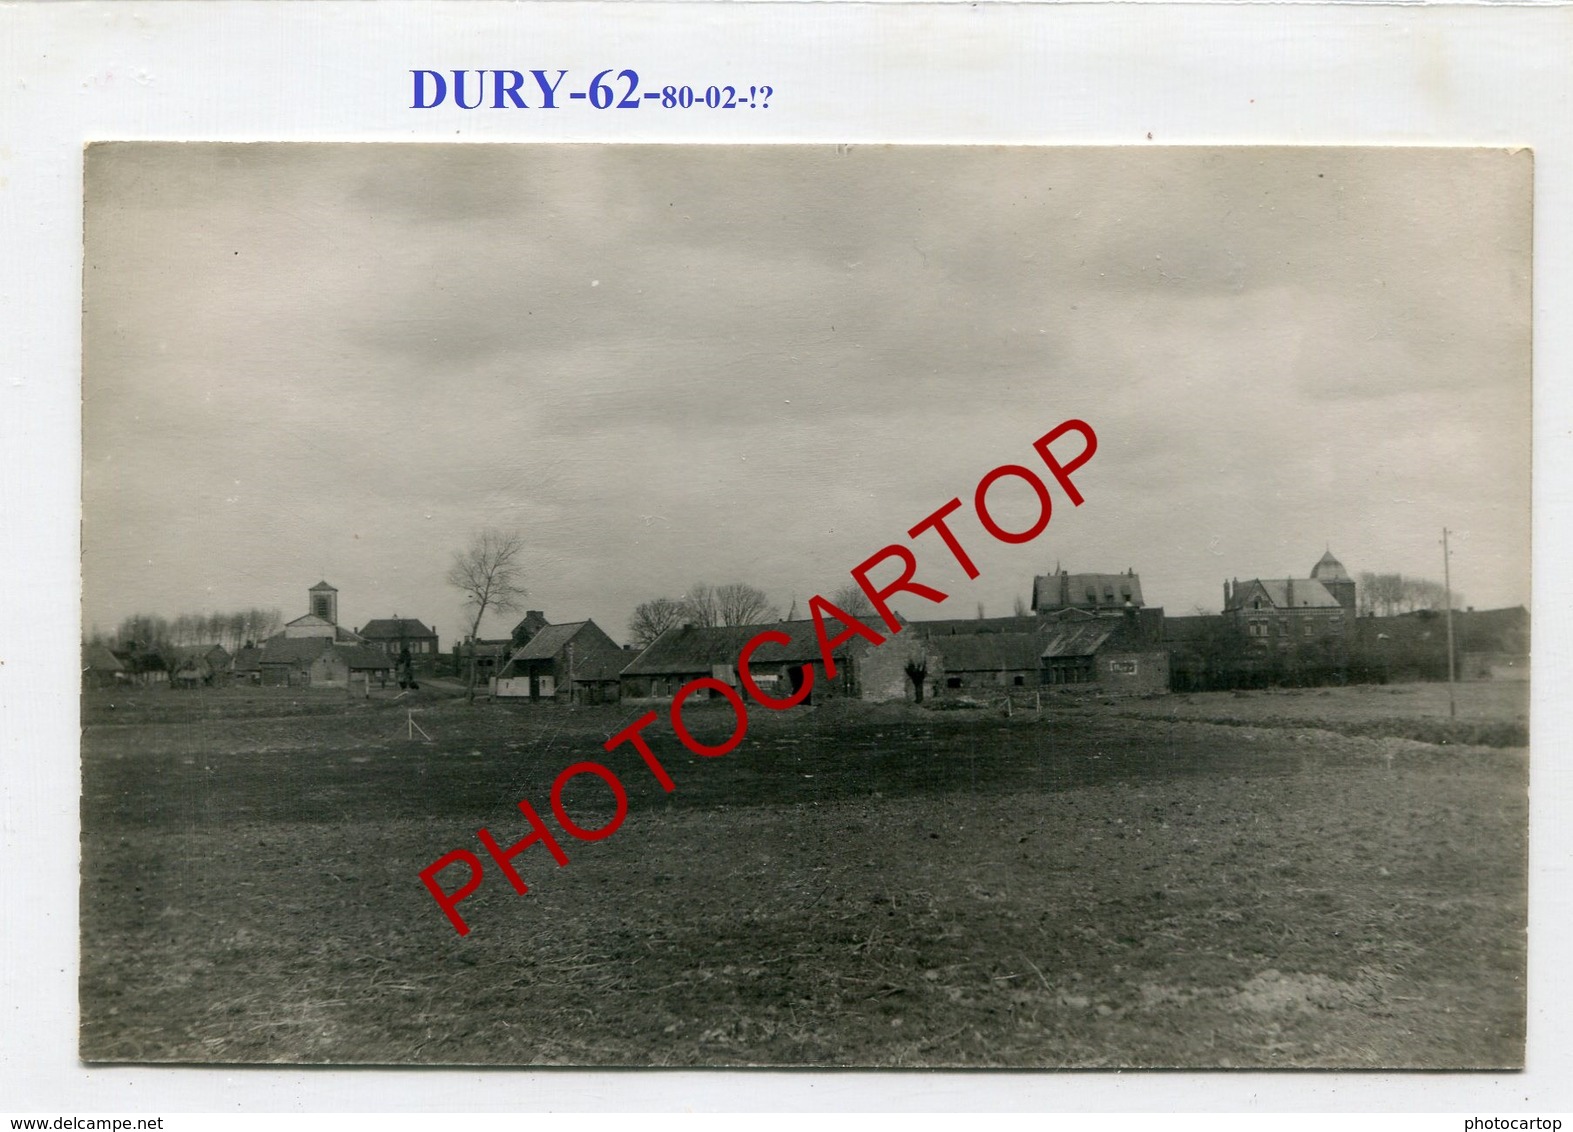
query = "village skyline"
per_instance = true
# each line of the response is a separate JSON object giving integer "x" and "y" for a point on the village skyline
{"x": 666, "y": 365}
{"x": 496, "y": 624}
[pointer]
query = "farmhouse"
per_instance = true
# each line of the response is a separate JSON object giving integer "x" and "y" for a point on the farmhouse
{"x": 395, "y": 634}
{"x": 567, "y": 663}
{"x": 311, "y": 662}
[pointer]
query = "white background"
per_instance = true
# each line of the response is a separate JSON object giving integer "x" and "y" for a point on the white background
{"x": 952, "y": 73}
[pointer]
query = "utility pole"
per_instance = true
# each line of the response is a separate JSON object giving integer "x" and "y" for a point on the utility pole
{"x": 1447, "y": 588}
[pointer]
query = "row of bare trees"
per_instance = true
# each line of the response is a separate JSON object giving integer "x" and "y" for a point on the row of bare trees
{"x": 735, "y": 603}
{"x": 148, "y": 632}
{"x": 1388, "y": 594}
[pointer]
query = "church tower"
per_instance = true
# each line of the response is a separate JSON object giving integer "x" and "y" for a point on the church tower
{"x": 1331, "y": 573}
{"x": 323, "y": 602}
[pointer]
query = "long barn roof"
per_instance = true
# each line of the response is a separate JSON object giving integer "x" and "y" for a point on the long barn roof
{"x": 693, "y": 648}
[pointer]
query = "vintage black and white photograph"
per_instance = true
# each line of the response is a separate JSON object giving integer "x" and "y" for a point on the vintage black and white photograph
{"x": 885, "y": 606}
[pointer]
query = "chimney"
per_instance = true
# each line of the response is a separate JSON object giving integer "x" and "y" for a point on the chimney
{"x": 1291, "y": 591}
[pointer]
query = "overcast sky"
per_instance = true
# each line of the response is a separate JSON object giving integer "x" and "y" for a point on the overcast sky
{"x": 668, "y": 364}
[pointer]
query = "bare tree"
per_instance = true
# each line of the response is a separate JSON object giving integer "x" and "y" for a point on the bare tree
{"x": 652, "y": 618}
{"x": 1384, "y": 593}
{"x": 1388, "y": 594}
{"x": 738, "y": 603}
{"x": 264, "y": 623}
{"x": 699, "y": 605}
{"x": 851, "y": 599}
{"x": 489, "y": 575}
{"x": 1423, "y": 593}
{"x": 1021, "y": 608}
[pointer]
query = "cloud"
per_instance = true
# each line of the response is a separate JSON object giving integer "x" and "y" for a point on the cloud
{"x": 762, "y": 362}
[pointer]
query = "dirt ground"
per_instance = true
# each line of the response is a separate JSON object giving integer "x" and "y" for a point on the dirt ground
{"x": 852, "y": 886}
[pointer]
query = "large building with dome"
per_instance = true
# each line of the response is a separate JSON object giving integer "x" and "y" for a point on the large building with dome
{"x": 1286, "y": 610}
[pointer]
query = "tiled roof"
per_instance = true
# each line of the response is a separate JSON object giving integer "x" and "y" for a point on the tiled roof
{"x": 358, "y": 656}
{"x": 394, "y": 628}
{"x": 1051, "y": 590}
{"x": 601, "y": 665}
{"x": 98, "y": 658}
{"x": 549, "y": 641}
{"x": 1307, "y": 594}
{"x": 310, "y": 619}
{"x": 688, "y": 649}
{"x": 989, "y": 652}
{"x": 1078, "y": 640}
{"x": 972, "y": 626}
{"x": 304, "y": 650}
{"x": 1089, "y": 637}
{"x": 292, "y": 650}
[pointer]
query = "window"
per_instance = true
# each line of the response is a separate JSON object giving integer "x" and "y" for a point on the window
{"x": 953, "y": 681}
{"x": 1019, "y": 681}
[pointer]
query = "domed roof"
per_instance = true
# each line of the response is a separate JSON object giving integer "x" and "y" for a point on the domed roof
{"x": 1329, "y": 569}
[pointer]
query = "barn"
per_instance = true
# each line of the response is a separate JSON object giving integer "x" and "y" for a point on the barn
{"x": 101, "y": 668}
{"x": 572, "y": 662}
{"x": 985, "y": 663}
{"x": 687, "y": 652}
{"x": 1104, "y": 656}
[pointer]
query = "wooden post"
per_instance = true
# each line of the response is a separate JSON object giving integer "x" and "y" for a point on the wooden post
{"x": 1447, "y": 589}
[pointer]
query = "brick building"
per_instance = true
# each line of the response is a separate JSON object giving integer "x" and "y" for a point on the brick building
{"x": 1283, "y": 611}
